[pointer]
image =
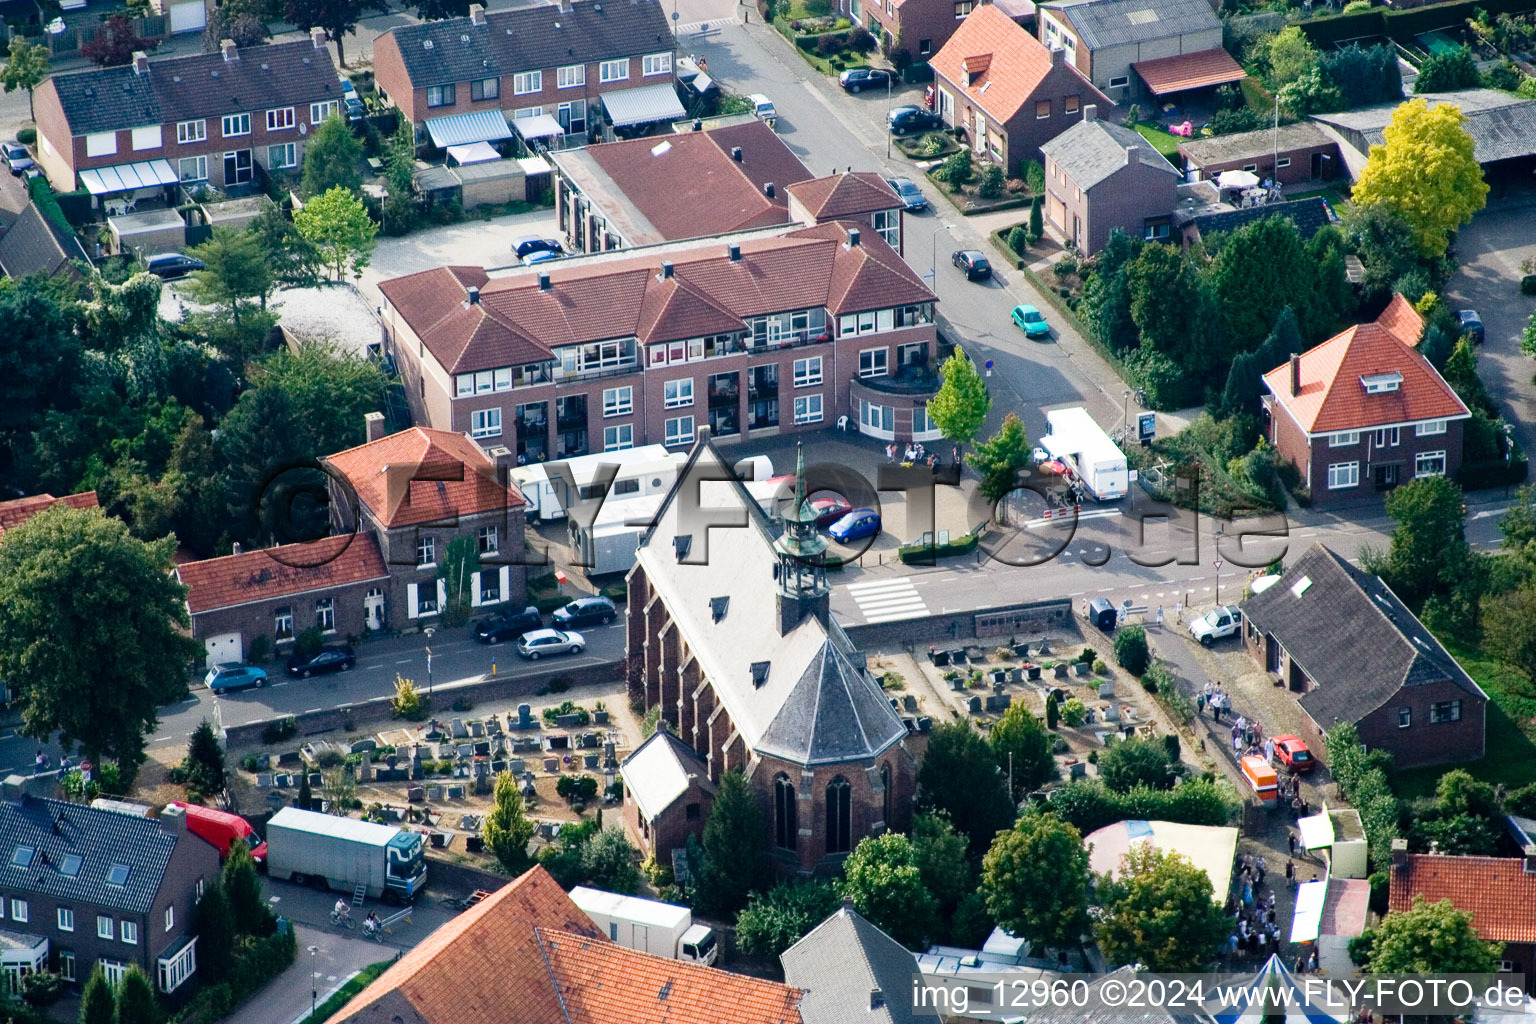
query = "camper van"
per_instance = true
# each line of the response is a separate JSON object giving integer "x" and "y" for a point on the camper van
{"x": 646, "y": 470}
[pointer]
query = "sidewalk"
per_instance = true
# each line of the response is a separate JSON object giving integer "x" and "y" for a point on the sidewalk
{"x": 334, "y": 960}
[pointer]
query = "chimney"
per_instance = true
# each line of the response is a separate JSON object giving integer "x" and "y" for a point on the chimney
{"x": 733, "y": 252}
{"x": 317, "y": 37}
{"x": 736, "y": 153}
{"x": 1399, "y": 854}
{"x": 698, "y": 124}
{"x": 227, "y": 46}
{"x": 565, "y": 6}
{"x": 768, "y": 189}
{"x": 140, "y": 62}
{"x": 373, "y": 426}
{"x": 853, "y": 238}
{"x": 174, "y": 820}
{"x": 1529, "y": 853}
{"x": 543, "y": 280}
{"x": 666, "y": 269}
{"x": 1132, "y": 154}
{"x": 848, "y": 904}
{"x": 1295, "y": 374}
{"x": 235, "y": 547}
{"x": 876, "y": 999}
{"x": 1058, "y": 56}
{"x": 1090, "y": 112}
{"x": 473, "y": 294}
{"x": 477, "y": 14}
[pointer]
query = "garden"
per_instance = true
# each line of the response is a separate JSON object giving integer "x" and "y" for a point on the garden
{"x": 984, "y": 187}
{"x": 829, "y": 42}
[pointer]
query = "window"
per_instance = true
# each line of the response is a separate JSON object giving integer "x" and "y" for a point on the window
{"x": 490, "y": 587}
{"x": 879, "y": 419}
{"x": 487, "y": 88}
{"x": 922, "y": 423}
{"x": 874, "y": 362}
{"x": 67, "y": 964}
{"x": 440, "y": 96}
{"x": 1444, "y": 711}
{"x": 786, "y": 816}
{"x": 1072, "y": 105}
{"x": 613, "y": 70}
{"x": 325, "y": 615}
{"x": 618, "y": 401}
{"x": 521, "y": 112}
{"x": 237, "y": 167}
{"x": 888, "y": 227}
{"x": 101, "y": 144}
{"x": 484, "y": 382}
{"x": 807, "y": 371}
{"x": 1348, "y": 439}
{"x": 571, "y": 76}
{"x": 280, "y": 118}
{"x": 1284, "y": 161}
{"x": 178, "y": 968}
{"x": 679, "y": 393}
{"x": 1250, "y": 167}
{"x": 526, "y": 82}
{"x": 426, "y": 599}
{"x": 1404, "y": 717}
{"x": 885, "y": 794}
{"x": 1386, "y": 436}
{"x": 1507, "y": 967}
{"x": 66, "y": 919}
{"x": 282, "y": 622}
{"x": 1042, "y": 109}
{"x": 485, "y": 540}
{"x": 193, "y": 168}
{"x": 106, "y": 928}
{"x": 129, "y": 933}
{"x": 1429, "y": 464}
{"x": 924, "y": 47}
{"x": 485, "y": 423}
{"x": 117, "y": 875}
{"x": 1120, "y": 82}
{"x": 113, "y": 971}
{"x": 1381, "y": 383}
{"x": 21, "y": 857}
{"x": 656, "y": 64}
{"x": 963, "y": 7}
{"x": 69, "y": 867}
{"x": 426, "y": 551}
{"x": 320, "y": 111}
{"x": 170, "y": 917}
{"x": 679, "y": 431}
{"x": 192, "y": 131}
{"x": 1342, "y": 475}
{"x": 839, "y": 816}
{"x": 618, "y": 438}
{"x": 19, "y": 910}
{"x": 236, "y": 124}
{"x": 200, "y": 884}
{"x": 808, "y": 409}
{"x": 279, "y": 157}
{"x": 1429, "y": 428}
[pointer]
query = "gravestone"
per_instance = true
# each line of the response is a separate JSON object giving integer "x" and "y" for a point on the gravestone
{"x": 482, "y": 748}
{"x": 589, "y": 740}
{"x": 570, "y": 721}
{"x": 465, "y": 750}
{"x": 1018, "y": 675}
{"x": 282, "y": 780}
{"x": 999, "y": 702}
{"x": 999, "y": 676}
{"x": 497, "y": 767}
{"x": 1061, "y": 670}
{"x": 600, "y": 717}
{"x": 997, "y": 688}
{"x": 1081, "y": 668}
{"x": 455, "y": 792}
{"x": 1043, "y": 649}
{"x": 457, "y": 729}
{"x": 909, "y": 702}
{"x": 1107, "y": 691}
{"x": 316, "y": 779}
{"x": 461, "y": 771}
{"x": 515, "y": 765}
{"x": 1077, "y": 770}
{"x": 365, "y": 768}
{"x": 364, "y": 744}
{"x": 1112, "y": 713}
{"x": 482, "y": 785}
{"x": 957, "y": 657}
{"x": 289, "y": 757}
{"x": 1021, "y": 650}
{"x": 493, "y": 727}
{"x": 957, "y": 684}
{"x": 924, "y": 724}
{"x": 524, "y": 717}
{"x": 474, "y": 844}
{"x": 263, "y": 762}
{"x": 476, "y": 728}
{"x": 266, "y": 780}
{"x": 590, "y": 762}
{"x": 415, "y": 794}
{"x": 434, "y": 793}
{"x": 939, "y": 658}
{"x": 551, "y": 764}
{"x": 973, "y": 705}
{"x": 1033, "y": 672}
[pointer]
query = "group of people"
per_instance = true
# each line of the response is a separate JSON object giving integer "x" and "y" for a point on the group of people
{"x": 343, "y": 912}
{"x": 1290, "y": 792}
{"x": 915, "y": 453}
{"x": 1214, "y": 698}
{"x": 1255, "y": 928}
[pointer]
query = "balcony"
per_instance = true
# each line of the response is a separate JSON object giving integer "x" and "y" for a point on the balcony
{"x": 790, "y": 339}
{"x": 913, "y": 379}
{"x": 562, "y": 374}
{"x": 724, "y": 397}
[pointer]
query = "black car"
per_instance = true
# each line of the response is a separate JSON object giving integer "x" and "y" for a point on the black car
{"x": 173, "y": 264}
{"x": 1471, "y": 325}
{"x": 326, "y": 659}
{"x": 855, "y": 79}
{"x": 527, "y": 245}
{"x": 585, "y": 611}
{"x": 509, "y": 626}
{"x": 974, "y": 263}
{"x": 913, "y": 119}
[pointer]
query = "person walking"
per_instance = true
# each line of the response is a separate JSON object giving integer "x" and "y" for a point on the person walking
{"x": 1159, "y": 616}
{"x": 1262, "y": 867}
{"x": 1200, "y": 705}
{"x": 1290, "y": 841}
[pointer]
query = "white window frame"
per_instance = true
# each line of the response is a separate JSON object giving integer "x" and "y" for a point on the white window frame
{"x": 1348, "y": 472}
{"x": 128, "y": 932}
{"x": 480, "y": 85}
{"x": 888, "y": 226}
{"x": 1405, "y": 718}
{"x": 233, "y": 126}
{"x": 290, "y": 156}
{"x": 677, "y": 431}
{"x": 525, "y": 83}
{"x": 807, "y": 372}
{"x": 188, "y": 132}
{"x": 101, "y": 144}
{"x": 879, "y": 362}
{"x": 1419, "y": 459}
{"x": 678, "y": 394}
{"x": 656, "y": 64}
{"x": 426, "y": 551}
{"x": 1283, "y": 162}
{"x": 325, "y": 614}
{"x": 618, "y": 437}
{"x": 1453, "y": 706}
{"x": 488, "y": 586}
{"x": 618, "y": 401}
{"x": 177, "y": 969}
{"x": 1344, "y": 439}
{"x": 280, "y": 616}
{"x": 447, "y": 95}
{"x": 113, "y": 971}
{"x": 613, "y": 70}
{"x": 199, "y": 168}
{"x": 320, "y": 111}
{"x": 170, "y": 917}
{"x": 106, "y": 927}
{"x": 485, "y": 422}
{"x": 20, "y": 911}
{"x": 1119, "y": 82}
{"x": 280, "y": 119}
{"x": 67, "y": 964}
{"x": 1429, "y": 428}
{"x": 485, "y": 540}
{"x": 66, "y": 919}
{"x": 1388, "y": 437}
{"x": 808, "y": 408}
{"x": 571, "y": 76}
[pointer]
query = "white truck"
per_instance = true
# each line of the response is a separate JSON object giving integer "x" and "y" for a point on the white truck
{"x": 344, "y": 853}
{"x": 651, "y": 927}
{"x": 1226, "y": 620}
{"x": 1095, "y": 460}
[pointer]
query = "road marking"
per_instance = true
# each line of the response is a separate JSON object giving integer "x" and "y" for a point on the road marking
{"x": 1077, "y": 593}
{"x": 403, "y": 661}
{"x": 888, "y": 600}
{"x": 698, "y": 26}
{"x": 1097, "y": 513}
{"x": 283, "y": 683}
{"x": 9, "y": 734}
{"x": 311, "y": 711}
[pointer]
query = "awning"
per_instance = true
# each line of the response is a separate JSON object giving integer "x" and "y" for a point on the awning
{"x": 643, "y": 105}
{"x": 461, "y": 129}
{"x": 541, "y": 127}
{"x": 1189, "y": 71}
{"x": 1307, "y": 919}
{"x": 105, "y": 181}
{"x": 1316, "y": 831}
{"x": 473, "y": 153}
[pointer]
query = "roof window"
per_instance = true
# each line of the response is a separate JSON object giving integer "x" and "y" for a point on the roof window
{"x": 718, "y": 606}
{"x": 70, "y": 865}
{"x": 118, "y": 875}
{"x": 1380, "y": 383}
{"x": 759, "y": 673}
{"x": 22, "y": 857}
{"x": 1300, "y": 586}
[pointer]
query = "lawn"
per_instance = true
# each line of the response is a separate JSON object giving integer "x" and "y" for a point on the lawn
{"x": 1165, "y": 143}
{"x": 801, "y": 9}
{"x": 1511, "y": 758}
{"x": 344, "y": 994}
{"x": 1336, "y": 199}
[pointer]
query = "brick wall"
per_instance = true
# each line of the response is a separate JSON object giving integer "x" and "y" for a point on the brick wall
{"x": 1421, "y": 742}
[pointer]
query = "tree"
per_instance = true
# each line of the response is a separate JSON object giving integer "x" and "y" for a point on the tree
{"x": 215, "y": 929}
{"x": 305, "y": 799}
{"x": 1430, "y": 938}
{"x": 97, "y": 1004}
{"x": 26, "y": 65}
{"x": 1036, "y": 218}
{"x": 235, "y": 272}
{"x": 1170, "y": 307}
{"x": 1420, "y": 139}
{"x": 136, "y": 999}
{"x": 400, "y": 180}
{"x": 1260, "y": 269}
{"x": 243, "y": 888}
{"x": 731, "y": 861}
{"x": 436, "y": 10}
{"x": 337, "y": 17}
{"x": 507, "y": 830}
{"x": 775, "y": 920}
{"x": 339, "y": 227}
{"x": 1137, "y": 762}
{"x": 609, "y": 862}
{"x": 114, "y": 43}
{"x": 42, "y": 988}
{"x": 339, "y": 788}
{"x": 1385, "y": 244}
{"x": 1131, "y": 651}
{"x": 1447, "y": 71}
{"x": 460, "y": 563}
{"x": 959, "y": 776}
{"x": 331, "y": 389}
{"x": 961, "y": 405}
{"x": 1023, "y": 750}
{"x": 1000, "y": 457}
{"x": 1428, "y": 513}
{"x": 1363, "y": 74}
{"x": 942, "y": 860}
{"x": 204, "y": 764}
{"x": 1159, "y": 911}
{"x": 991, "y": 182}
{"x": 882, "y": 878}
{"x": 1035, "y": 881}
{"x": 331, "y": 159}
{"x": 1509, "y": 623}
{"x": 244, "y": 28}
{"x": 260, "y": 438}
{"x": 78, "y": 574}
{"x": 1245, "y": 385}
{"x": 1290, "y": 56}
{"x": 293, "y": 258}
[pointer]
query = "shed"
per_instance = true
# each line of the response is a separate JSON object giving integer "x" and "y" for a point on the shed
{"x": 149, "y": 232}
{"x": 235, "y": 213}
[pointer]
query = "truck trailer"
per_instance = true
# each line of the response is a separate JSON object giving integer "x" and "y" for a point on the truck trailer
{"x": 651, "y": 927}
{"x": 344, "y": 853}
{"x": 1095, "y": 461}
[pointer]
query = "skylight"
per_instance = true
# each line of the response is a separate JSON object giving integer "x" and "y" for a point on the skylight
{"x": 1145, "y": 17}
{"x": 70, "y": 865}
{"x": 22, "y": 858}
{"x": 118, "y": 875}
{"x": 1300, "y": 586}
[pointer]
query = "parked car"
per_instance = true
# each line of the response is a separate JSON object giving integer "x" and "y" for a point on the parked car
{"x": 509, "y": 626}
{"x": 351, "y": 100}
{"x": 326, "y": 659}
{"x": 855, "y": 79}
{"x": 912, "y": 119}
{"x": 540, "y": 642}
{"x": 1031, "y": 321}
{"x": 829, "y": 510}
{"x": 542, "y": 256}
{"x": 167, "y": 265}
{"x": 1215, "y": 624}
{"x": 974, "y": 263}
{"x": 762, "y": 108}
{"x": 1293, "y": 753}
{"x": 234, "y": 676}
{"x": 911, "y": 196}
{"x": 860, "y": 523}
{"x": 16, "y": 156}
{"x": 527, "y": 245}
{"x": 584, "y": 611}
{"x": 1471, "y": 324}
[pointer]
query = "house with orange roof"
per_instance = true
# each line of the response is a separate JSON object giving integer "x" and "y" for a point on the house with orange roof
{"x": 1008, "y": 92}
{"x": 1364, "y": 411}
{"x": 1499, "y": 893}
{"x": 18, "y": 510}
{"x": 528, "y": 953}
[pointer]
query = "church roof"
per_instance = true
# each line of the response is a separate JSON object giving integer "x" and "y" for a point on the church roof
{"x": 832, "y": 714}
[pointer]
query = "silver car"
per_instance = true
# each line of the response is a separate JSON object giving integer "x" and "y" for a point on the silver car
{"x": 540, "y": 642}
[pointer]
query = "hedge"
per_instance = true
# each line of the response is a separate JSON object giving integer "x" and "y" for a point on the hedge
{"x": 1000, "y": 243}
{"x": 1477, "y": 476}
{"x": 47, "y": 204}
{"x": 256, "y": 962}
{"x": 926, "y": 554}
{"x": 1089, "y": 804}
{"x": 1401, "y": 26}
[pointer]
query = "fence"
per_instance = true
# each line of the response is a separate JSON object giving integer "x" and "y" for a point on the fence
{"x": 153, "y": 28}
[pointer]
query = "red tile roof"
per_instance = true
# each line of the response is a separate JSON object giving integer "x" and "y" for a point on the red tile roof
{"x": 1007, "y": 64}
{"x": 17, "y": 511}
{"x": 1498, "y": 891}
{"x": 1332, "y": 398}
{"x": 1189, "y": 71}
{"x": 277, "y": 572}
{"x": 840, "y": 196}
{"x": 421, "y": 476}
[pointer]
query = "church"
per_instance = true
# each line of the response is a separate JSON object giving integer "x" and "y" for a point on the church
{"x": 729, "y": 630}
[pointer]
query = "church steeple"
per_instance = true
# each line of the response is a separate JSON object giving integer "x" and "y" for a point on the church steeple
{"x": 801, "y": 572}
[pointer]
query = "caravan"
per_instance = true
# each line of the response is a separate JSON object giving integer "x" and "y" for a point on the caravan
{"x": 1093, "y": 459}
{"x": 646, "y": 470}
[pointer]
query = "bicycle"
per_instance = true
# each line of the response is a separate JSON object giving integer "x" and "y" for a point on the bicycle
{"x": 345, "y": 920}
{"x": 374, "y": 932}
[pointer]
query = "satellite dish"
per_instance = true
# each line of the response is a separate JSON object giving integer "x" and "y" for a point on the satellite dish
{"x": 303, "y": 127}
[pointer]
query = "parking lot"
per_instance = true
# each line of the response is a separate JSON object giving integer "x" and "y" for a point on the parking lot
{"x": 474, "y": 243}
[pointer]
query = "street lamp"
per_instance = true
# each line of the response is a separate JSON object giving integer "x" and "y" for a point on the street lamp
{"x": 888, "y": 79}
{"x": 933, "y": 262}
{"x": 313, "y": 983}
{"x": 429, "y": 631}
{"x": 1125, "y": 412}
{"x": 1219, "y": 534}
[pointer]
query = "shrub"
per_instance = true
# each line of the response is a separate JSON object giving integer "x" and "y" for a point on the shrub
{"x": 1528, "y": 282}
{"x": 861, "y": 39}
{"x": 1356, "y": 6}
{"x": 261, "y": 649}
{"x": 1087, "y": 654}
{"x": 990, "y": 185}
{"x": 1073, "y": 712}
{"x": 279, "y": 730}
{"x": 956, "y": 169}
{"x": 829, "y": 44}
{"x": 407, "y": 702}
{"x": 1131, "y": 650}
{"x": 1100, "y": 668}
{"x": 923, "y": 554}
{"x": 1017, "y": 240}
{"x": 27, "y": 136}
{"x": 1052, "y": 712}
{"x": 559, "y": 685}
{"x": 933, "y": 144}
{"x": 309, "y": 641}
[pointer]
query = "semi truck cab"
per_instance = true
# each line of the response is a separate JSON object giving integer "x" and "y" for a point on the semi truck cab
{"x": 407, "y": 864}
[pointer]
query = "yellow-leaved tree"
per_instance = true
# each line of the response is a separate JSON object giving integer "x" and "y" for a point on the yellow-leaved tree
{"x": 1425, "y": 172}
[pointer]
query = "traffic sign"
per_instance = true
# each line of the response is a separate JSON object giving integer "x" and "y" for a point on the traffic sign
{"x": 559, "y": 575}
{"x": 1217, "y": 563}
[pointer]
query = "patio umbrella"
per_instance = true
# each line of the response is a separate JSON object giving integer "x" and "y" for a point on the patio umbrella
{"x": 1237, "y": 179}
{"x": 1052, "y": 466}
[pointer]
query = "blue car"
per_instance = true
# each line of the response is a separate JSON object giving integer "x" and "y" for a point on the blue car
{"x": 234, "y": 676}
{"x": 860, "y": 523}
{"x": 1031, "y": 321}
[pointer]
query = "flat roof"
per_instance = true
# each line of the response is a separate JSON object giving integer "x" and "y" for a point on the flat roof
{"x": 352, "y": 829}
{"x": 1210, "y": 848}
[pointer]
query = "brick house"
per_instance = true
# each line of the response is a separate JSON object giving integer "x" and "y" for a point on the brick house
{"x": 667, "y": 795}
{"x": 1107, "y": 39}
{"x": 752, "y": 338}
{"x": 1101, "y": 178}
{"x": 1292, "y": 154}
{"x": 1365, "y": 411}
{"x": 18, "y": 510}
{"x": 922, "y": 27}
{"x": 861, "y": 198}
{"x": 397, "y": 502}
{"x": 1340, "y": 638}
{"x": 549, "y": 60}
{"x": 1009, "y": 93}
{"x": 208, "y": 118}
{"x": 750, "y": 670}
{"x": 1499, "y": 892}
{"x": 83, "y": 886}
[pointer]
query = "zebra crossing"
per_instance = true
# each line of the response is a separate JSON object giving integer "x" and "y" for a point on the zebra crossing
{"x": 694, "y": 27}
{"x": 888, "y": 600}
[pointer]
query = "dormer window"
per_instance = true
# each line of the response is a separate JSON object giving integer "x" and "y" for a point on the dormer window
{"x": 1381, "y": 383}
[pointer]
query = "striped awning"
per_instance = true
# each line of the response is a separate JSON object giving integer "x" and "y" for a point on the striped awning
{"x": 462, "y": 129}
{"x": 643, "y": 105}
{"x": 106, "y": 181}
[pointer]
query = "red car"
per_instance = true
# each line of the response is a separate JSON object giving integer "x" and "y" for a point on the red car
{"x": 829, "y": 510}
{"x": 1292, "y": 753}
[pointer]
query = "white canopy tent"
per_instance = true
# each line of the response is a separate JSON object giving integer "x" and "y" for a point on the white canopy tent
{"x": 473, "y": 153}
{"x": 1266, "y": 988}
{"x": 106, "y": 181}
{"x": 1237, "y": 179}
{"x": 542, "y": 126}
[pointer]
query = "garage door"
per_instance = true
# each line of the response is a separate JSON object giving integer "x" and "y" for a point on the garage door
{"x": 225, "y": 647}
{"x": 188, "y": 17}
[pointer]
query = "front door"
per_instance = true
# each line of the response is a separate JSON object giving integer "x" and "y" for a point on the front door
{"x": 237, "y": 167}
{"x": 1386, "y": 477}
{"x": 373, "y": 608}
{"x": 1271, "y": 654}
